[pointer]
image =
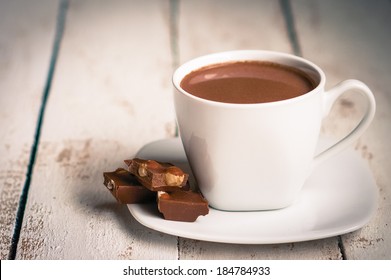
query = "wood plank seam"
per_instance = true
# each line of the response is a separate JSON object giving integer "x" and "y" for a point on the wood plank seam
{"x": 174, "y": 17}
{"x": 178, "y": 246}
{"x": 24, "y": 194}
{"x": 341, "y": 247}
{"x": 290, "y": 26}
{"x": 174, "y": 45}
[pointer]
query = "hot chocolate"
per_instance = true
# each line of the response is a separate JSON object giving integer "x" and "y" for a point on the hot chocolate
{"x": 247, "y": 82}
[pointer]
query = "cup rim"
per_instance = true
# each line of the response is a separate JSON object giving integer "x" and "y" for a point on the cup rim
{"x": 246, "y": 55}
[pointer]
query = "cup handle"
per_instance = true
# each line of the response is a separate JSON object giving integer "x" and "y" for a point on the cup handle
{"x": 329, "y": 98}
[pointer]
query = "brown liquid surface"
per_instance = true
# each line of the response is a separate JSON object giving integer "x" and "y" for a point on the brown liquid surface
{"x": 247, "y": 82}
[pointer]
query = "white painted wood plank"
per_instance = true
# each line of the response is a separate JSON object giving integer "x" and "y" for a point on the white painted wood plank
{"x": 351, "y": 39}
{"x": 26, "y": 37}
{"x": 111, "y": 94}
{"x": 319, "y": 250}
{"x": 212, "y": 26}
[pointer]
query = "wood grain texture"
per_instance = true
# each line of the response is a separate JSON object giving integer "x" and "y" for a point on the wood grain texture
{"x": 111, "y": 94}
{"x": 325, "y": 249}
{"x": 26, "y": 36}
{"x": 351, "y": 39}
{"x": 213, "y": 26}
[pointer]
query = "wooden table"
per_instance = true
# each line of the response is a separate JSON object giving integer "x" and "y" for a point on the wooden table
{"x": 85, "y": 84}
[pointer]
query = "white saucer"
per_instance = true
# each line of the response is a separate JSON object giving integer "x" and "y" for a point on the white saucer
{"x": 339, "y": 197}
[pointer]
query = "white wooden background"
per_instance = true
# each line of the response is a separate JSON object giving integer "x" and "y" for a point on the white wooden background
{"x": 85, "y": 84}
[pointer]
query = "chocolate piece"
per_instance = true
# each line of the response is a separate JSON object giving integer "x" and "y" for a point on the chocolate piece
{"x": 158, "y": 176}
{"x": 125, "y": 187}
{"x": 184, "y": 206}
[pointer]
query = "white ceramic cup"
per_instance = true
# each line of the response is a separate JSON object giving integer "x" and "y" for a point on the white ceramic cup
{"x": 248, "y": 157}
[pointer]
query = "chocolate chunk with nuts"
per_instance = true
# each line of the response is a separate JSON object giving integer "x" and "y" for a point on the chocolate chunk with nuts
{"x": 184, "y": 206}
{"x": 158, "y": 176}
{"x": 125, "y": 187}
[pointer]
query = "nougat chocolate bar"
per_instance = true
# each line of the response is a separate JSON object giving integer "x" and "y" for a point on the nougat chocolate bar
{"x": 158, "y": 176}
